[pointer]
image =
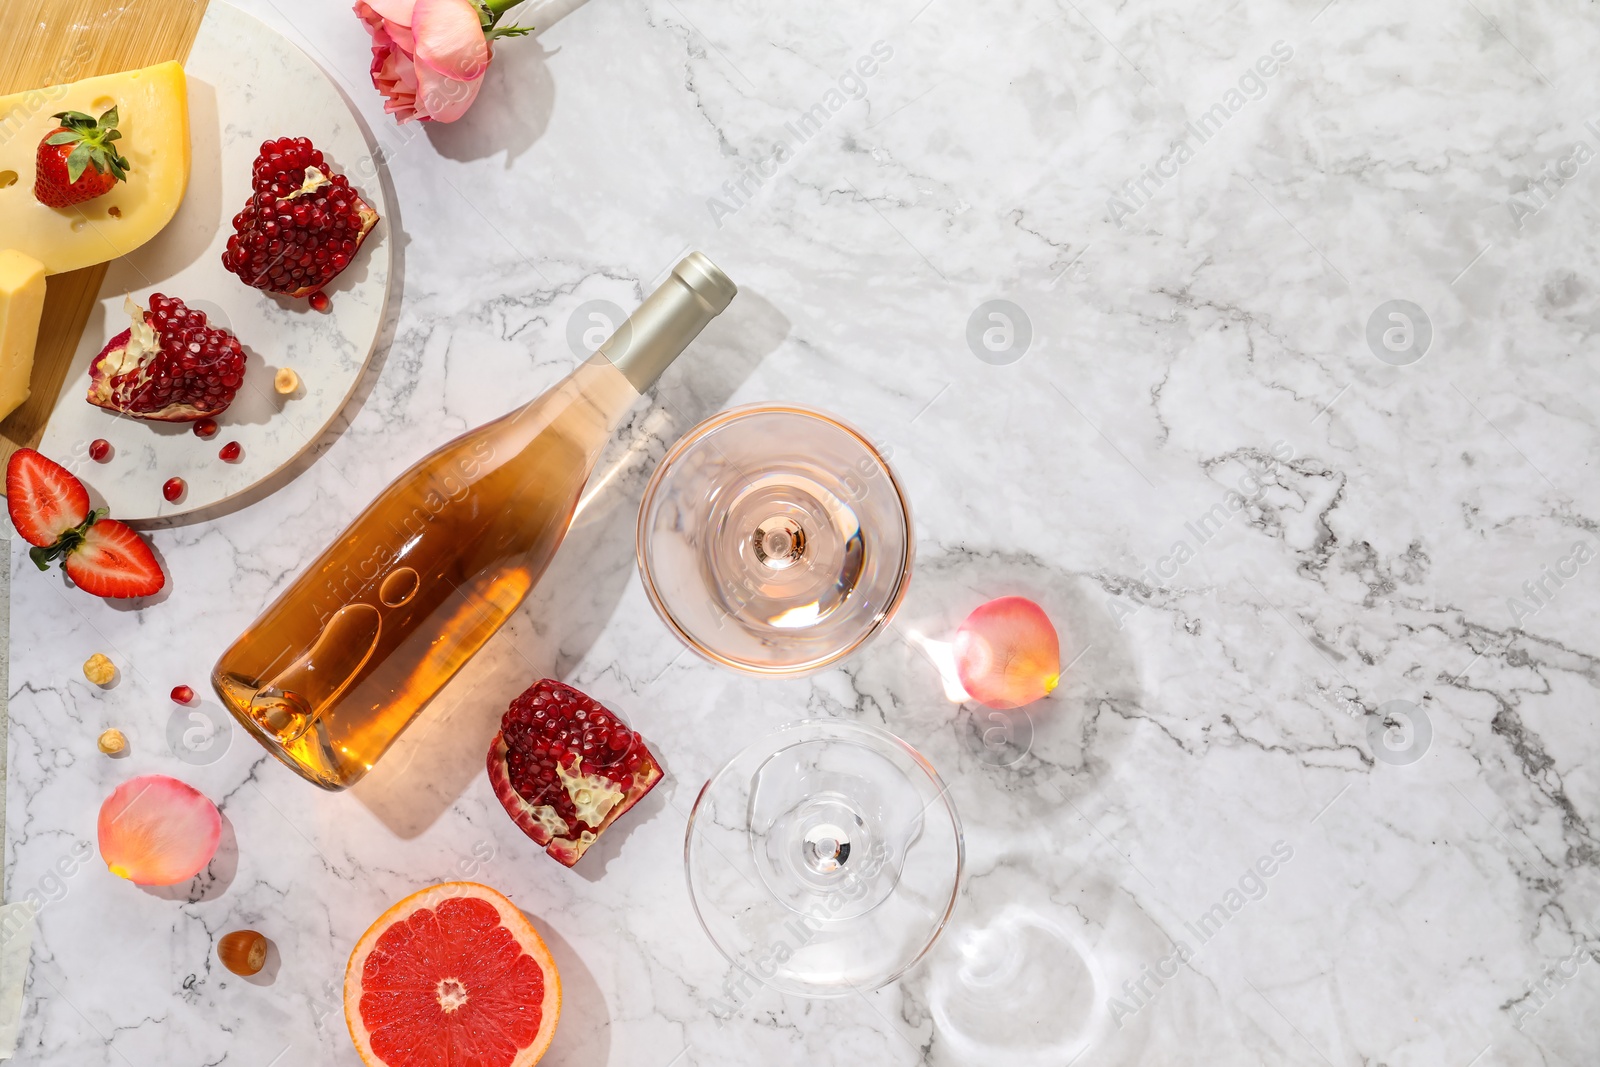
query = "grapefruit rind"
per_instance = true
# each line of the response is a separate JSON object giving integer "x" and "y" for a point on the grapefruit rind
{"x": 510, "y": 917}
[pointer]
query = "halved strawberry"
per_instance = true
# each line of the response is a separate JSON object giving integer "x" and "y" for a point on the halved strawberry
{"x": 44, "y": 499}
{"x": 113, "y": 561}
{"x": 50, "y": 509}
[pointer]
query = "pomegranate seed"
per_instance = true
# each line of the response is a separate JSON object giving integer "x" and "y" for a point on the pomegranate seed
{"x": 182, "y": 694}
{"x": 205, "y": 428}
{"x": 173, "y": 488}
{"x": 231, "y": 451}
{"x": 99, "y": 449}
{"x": 319, "y": 300}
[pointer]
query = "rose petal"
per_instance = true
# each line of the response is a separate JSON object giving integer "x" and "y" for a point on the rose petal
{"x": 443, "y": 99}
{"x": 1007, "y": 653}
{"x": 393, "y": 11}
{"x": 372, "y": 21}
{"x": 395, "y": 76}
{"x": 156, "y": 830}
{"x": 450, "y": 39}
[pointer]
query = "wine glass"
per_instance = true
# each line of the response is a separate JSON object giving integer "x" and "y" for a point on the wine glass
{"x": 825, "y": 858}
{"x": 774, "y": 539}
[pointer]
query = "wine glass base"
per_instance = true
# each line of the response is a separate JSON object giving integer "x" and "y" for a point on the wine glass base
{"x": 834, "y": 818}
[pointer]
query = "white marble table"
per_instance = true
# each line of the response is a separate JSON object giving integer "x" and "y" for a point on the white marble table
{"x": 1433, "y": 892}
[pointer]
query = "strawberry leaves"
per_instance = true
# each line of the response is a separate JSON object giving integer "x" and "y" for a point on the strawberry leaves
{"x": 93, "y": 140}
{"x": 67, "y": 543}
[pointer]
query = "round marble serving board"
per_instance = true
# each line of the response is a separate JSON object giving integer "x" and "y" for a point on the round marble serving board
{"x": 247, "y": 84}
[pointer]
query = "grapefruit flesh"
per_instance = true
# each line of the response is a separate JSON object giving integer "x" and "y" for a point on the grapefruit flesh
{"x": 453, "y": 976}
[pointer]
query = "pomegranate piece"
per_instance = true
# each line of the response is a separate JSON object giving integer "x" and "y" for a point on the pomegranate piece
{"x": 99, "y": 449}
{"x": 182, "y": 694}
{"x": 169, "y": 366}
{"x": 205, "y": 428}
{"x": 301, "y": 226}
{"x": 173, "y": 488}
{"x": 565, "y": 768}
{"x": 230, "y": 452}
{"x": 320, "y": 301}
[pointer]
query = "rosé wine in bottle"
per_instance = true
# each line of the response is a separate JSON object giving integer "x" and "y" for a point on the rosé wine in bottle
{"x": 331, "y": 673}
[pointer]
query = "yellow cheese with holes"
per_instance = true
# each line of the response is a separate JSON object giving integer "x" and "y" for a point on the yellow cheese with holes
{"x": 21, "y": 301}
{"x": 153, "y": 115}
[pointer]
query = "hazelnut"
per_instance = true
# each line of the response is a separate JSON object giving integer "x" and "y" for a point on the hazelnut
{"x": 243, "y": 952}
{"x": 285, "y": 381}
{"x": 99, "y": 669}
{"x": 113, "y": 743}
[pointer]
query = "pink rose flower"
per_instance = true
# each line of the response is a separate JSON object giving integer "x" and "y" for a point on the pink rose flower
{"x": 428, "y": 56}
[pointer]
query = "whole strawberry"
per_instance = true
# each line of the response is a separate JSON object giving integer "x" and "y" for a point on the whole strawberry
{"x": 78, "y": 162}
{"x": 302, "y": 224}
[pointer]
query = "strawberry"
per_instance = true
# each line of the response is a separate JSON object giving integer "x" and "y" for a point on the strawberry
{"x": 78, "y": 162}
{"x": 50, "y": 509}
{"x": 44, "y": 499}
{"x": 113, "y": 561}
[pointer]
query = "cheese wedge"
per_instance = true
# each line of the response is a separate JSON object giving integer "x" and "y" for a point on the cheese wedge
{"x": 21, "y": 301}
{"x": 153, "y": 115}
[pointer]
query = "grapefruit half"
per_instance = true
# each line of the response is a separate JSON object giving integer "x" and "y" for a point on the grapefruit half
{"x": 453, "y": 976}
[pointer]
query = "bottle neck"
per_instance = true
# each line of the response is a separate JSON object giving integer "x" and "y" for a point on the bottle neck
{"x": 669, "y": 319}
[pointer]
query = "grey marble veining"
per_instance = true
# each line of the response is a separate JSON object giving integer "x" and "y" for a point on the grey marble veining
{"x": 1321, "y": 784}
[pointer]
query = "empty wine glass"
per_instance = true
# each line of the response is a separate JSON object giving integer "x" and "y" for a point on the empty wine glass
{"x": 825, "y": 858}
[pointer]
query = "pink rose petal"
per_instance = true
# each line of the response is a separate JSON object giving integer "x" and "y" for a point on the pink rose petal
{"x": 391, "y": 11}
{"x": 156, "y": 830}
{"x": 450, "y": 39}
{"x": 431, "y": 65}
{"x": 443, "y": 99}
{"x": 403, "y": 37}
{"x": 1007, "y": 653}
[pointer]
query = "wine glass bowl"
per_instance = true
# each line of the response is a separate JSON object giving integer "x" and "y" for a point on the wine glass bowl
{"x": 825, "y": 858}
{"x": 774, "y": 539}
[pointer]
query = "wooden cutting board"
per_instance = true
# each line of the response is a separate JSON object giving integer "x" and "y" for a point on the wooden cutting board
{"x": 47, "y": 42}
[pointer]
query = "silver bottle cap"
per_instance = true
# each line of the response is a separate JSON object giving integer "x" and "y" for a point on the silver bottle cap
{"x": 669, "y": 319}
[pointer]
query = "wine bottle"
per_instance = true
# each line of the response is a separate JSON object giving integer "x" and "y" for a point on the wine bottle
{"x": 331, "y": 673}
